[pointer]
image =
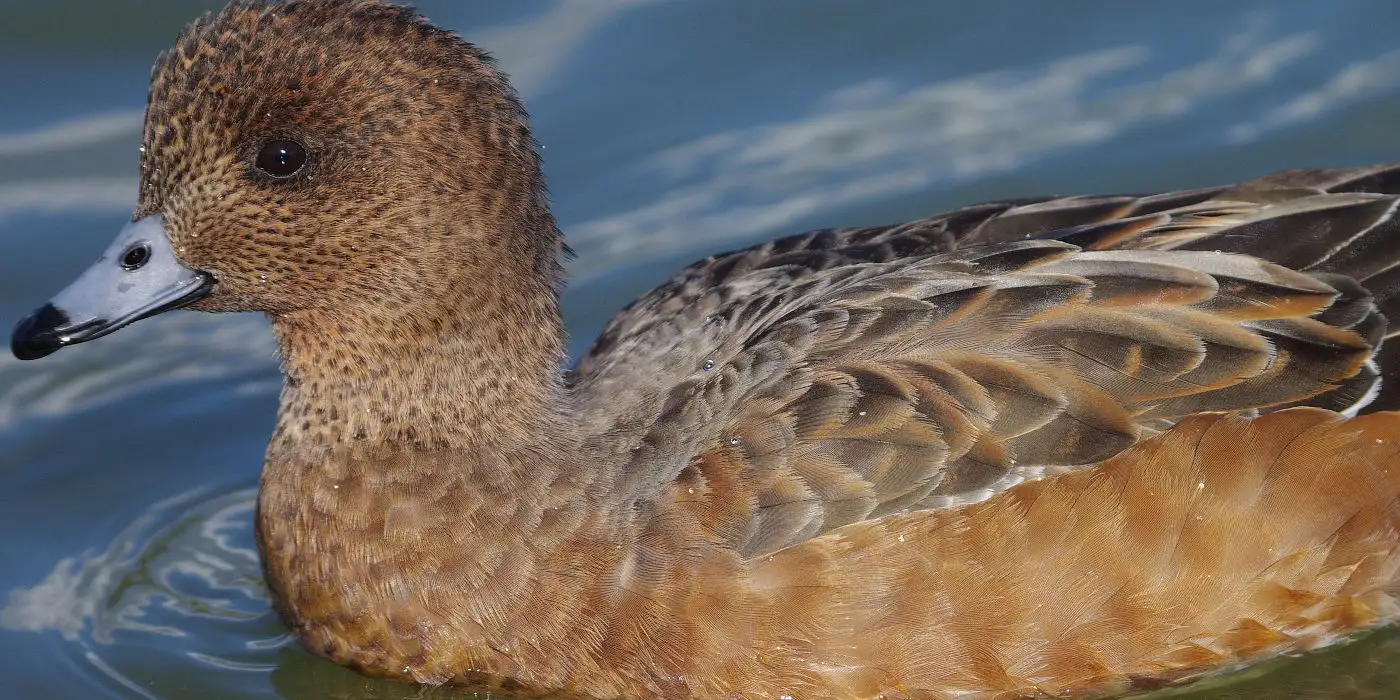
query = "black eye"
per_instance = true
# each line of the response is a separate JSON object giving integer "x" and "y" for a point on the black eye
{"x": 136, "y": 256}
{"x": 281, "y": 158}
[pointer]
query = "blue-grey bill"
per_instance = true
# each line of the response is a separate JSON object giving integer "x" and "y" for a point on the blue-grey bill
{"x": 113, "y": 293}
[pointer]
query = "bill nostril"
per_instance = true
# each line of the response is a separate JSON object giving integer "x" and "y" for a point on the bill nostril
{"x": 136, "y": 256}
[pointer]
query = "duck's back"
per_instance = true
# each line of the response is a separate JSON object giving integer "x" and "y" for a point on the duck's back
{"x": 844, "y": 374}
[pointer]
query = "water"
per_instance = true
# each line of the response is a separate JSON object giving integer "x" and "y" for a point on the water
{"x": 673, "y": 130}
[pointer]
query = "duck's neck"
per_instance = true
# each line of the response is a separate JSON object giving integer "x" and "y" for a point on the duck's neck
{"x": 471, "y": 374}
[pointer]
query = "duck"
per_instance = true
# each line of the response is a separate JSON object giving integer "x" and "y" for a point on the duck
{"x": 1066, "y": 446}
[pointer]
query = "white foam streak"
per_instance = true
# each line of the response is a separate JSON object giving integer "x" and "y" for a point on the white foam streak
{"x": 874, "y": 139}
{"x": 74, "y": 133}
{"x": 1353, "y": 83}
{"x": 75, "y": 194}
{"x": 180, "y": 347}
{"x": 534, "y": 52}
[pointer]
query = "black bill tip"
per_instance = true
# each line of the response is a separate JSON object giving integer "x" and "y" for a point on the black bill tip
{"x": 36, "y": 335}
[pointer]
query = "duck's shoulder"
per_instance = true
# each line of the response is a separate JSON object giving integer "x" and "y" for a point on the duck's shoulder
{"x": 801, "y": 256}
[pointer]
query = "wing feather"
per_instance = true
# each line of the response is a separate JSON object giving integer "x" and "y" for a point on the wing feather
{"x": 848, "y": 374}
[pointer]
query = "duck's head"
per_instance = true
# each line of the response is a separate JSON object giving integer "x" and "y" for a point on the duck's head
{"x": 334, "y": 157}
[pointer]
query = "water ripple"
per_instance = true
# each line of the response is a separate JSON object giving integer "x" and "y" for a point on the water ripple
{"x": 175, "y": 585}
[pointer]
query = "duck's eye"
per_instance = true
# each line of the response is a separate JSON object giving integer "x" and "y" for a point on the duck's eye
{"x": 281, "y": 158}
{"x": 136, "y": 256}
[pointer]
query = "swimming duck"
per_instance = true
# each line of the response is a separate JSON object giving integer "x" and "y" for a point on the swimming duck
{"x": 1054, "y": 447}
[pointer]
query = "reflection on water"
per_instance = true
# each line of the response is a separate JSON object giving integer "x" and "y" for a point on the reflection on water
{"x": 672, "y": 130}
{"x": 100, "y": 592}
{"x": 177, "y": 582}
{"x": 876, "y": 139}
{"x": 1353, "y": 82}
{"x": 179, "y": 348}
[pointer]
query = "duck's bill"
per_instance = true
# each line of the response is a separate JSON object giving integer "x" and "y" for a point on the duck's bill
{"x": 138, "y": 276}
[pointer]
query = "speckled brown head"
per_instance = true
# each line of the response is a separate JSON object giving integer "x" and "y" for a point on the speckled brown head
{"x": 343, "y": 156}
{"x": 407, "y": 131}
{"x": 368, "y": 180}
